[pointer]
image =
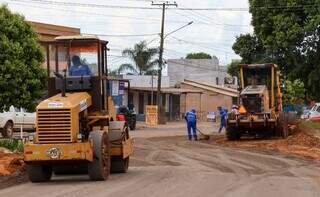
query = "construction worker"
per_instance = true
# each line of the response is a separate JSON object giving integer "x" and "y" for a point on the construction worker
{"x": 235, "y": 109}
{"x": 191, "y": 119}
{"x": 79, "y": 69}
{"x": 223, "y": 114}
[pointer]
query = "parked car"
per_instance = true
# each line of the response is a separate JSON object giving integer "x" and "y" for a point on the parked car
{"x": 15, "y": 119}
{"x": 315, "y": 111}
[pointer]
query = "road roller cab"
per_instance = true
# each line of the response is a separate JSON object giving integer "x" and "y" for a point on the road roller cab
{"x": 75, "y": 130}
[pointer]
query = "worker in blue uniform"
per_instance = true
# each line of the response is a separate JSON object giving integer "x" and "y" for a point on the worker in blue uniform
{"x": 223, "y": 114}
{"x": 191, "y": 119}
{"x": 79, "y": 69}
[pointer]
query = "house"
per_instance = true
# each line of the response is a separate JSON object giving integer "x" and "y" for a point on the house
{"x": 212, "y": 97}
{"x": 47, "y": 32}
{"x": 204, "y": 70}
{"x": 143, "y": 93}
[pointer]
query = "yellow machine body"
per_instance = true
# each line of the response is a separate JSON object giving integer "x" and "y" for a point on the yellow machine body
{"x": 57, "y": 128}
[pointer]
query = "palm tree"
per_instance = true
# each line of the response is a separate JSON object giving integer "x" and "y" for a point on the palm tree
{"x": 142, "y": 57}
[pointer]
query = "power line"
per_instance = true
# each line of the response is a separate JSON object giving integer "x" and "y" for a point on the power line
{"x": 195, "y": 44}
{"x": 233, "y": 9}
{"x": 128, "y": 35}
{"x": 127, "y": 7}
{"x": 211, "y": 20}
{"x": 92, "y": 13}
{"x": 206, "y": 21}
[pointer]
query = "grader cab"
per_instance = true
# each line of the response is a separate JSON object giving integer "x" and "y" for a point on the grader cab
{"x": 260, "y": 113}
{"x": 75, "y": 130}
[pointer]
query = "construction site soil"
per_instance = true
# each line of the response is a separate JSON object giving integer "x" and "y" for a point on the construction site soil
{"x": 302, "y": 143}
{"x": 166, "y": 147}
{"x": 12, "y": 169}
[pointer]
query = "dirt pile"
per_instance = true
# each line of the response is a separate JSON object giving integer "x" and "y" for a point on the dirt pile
{"x": 10, "y": 163}
{"x": 300, "y": 143}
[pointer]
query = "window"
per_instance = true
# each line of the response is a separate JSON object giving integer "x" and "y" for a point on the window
{"x": 217, "y": 80}
{"x": 85, "y": 55}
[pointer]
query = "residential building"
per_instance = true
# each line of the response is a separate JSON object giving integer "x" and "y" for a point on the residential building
{"x": 203, "y": 70}
{"x": 212, "y": 97}
{"x": 142, "y": 94}
{"x": 47, "y": 32}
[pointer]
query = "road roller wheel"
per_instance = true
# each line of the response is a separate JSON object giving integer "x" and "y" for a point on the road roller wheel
{"x": 39, "y": 173}
{"x": 99, "y": 168}
{"x": 119, "y": 165}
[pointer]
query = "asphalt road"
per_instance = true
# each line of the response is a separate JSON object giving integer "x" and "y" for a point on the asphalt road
{"x": 166, "y": 164}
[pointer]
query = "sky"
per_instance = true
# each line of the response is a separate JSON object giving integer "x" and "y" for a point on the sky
{"x": 212, "y": 31}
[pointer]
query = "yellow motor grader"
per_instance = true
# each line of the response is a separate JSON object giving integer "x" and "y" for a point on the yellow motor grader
{"x": 75, "y": 127}
{"x": 260, "y": 104}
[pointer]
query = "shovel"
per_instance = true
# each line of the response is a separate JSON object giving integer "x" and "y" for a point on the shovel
{"x": 205, "y": 137}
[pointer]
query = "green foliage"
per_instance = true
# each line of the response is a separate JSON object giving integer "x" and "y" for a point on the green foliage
{"x": 200, "y": 55}
{"x": 142, "y": 57}
{"x": 12, "y": 145}
{"x": 250, "y": 48}
{"x": 310, "y": 125}
{"x": 293, "y": 92}
{"x": 22, "y": 79}
{"x": 233, "y": 68}
{"x": 286, "y": 33}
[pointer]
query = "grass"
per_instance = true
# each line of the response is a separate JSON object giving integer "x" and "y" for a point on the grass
{"x": 310, "y": 125}
{"x": 12, "y": 144}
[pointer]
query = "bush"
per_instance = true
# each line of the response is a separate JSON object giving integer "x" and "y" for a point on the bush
{"x": 12, "y": 144}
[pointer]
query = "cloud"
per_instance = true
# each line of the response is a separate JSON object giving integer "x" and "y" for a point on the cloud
{"x": 212, "y": 32}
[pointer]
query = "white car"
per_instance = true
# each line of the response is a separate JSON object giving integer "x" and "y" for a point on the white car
{"x": 315, "y": 111}
{"x": 16, "y": 119}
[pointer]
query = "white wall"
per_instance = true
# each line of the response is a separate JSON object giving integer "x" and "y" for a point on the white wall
{"x": 196, "y": 70}
{"x": 145, "y": 81}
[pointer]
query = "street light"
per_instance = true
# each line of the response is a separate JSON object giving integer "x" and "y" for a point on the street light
{"x": 162, "y": 37}
{"x": 190, "y": 23}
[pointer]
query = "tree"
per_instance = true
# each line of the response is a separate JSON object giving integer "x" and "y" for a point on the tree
{"x": 289, "y": 33}
{"x": 250, "y": 48}
{"x": 200, "y": 55}
{"x": 293, "y": 91}
{"x": 22, "y": 79}
{"x": 142, "y": 57}
{"x": 233, "y": 68}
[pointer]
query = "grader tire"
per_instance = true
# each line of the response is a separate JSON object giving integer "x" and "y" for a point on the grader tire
{"x": 232, "y": 134}
{"x": 39, "y": 173}
{"x": 119, "y": 165}
{"x": 282, "y": 129}
{"x": 99, "y": 168}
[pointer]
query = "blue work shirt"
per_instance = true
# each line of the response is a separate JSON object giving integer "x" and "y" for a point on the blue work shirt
{"x": 191, "y": 117}
{"x": 223, "y": 113}
{"x": 82, "y": 70}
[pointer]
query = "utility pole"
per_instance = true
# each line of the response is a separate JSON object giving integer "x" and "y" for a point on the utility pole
{"x": 152, "y": 89}
{"x": 159, "y": 103}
